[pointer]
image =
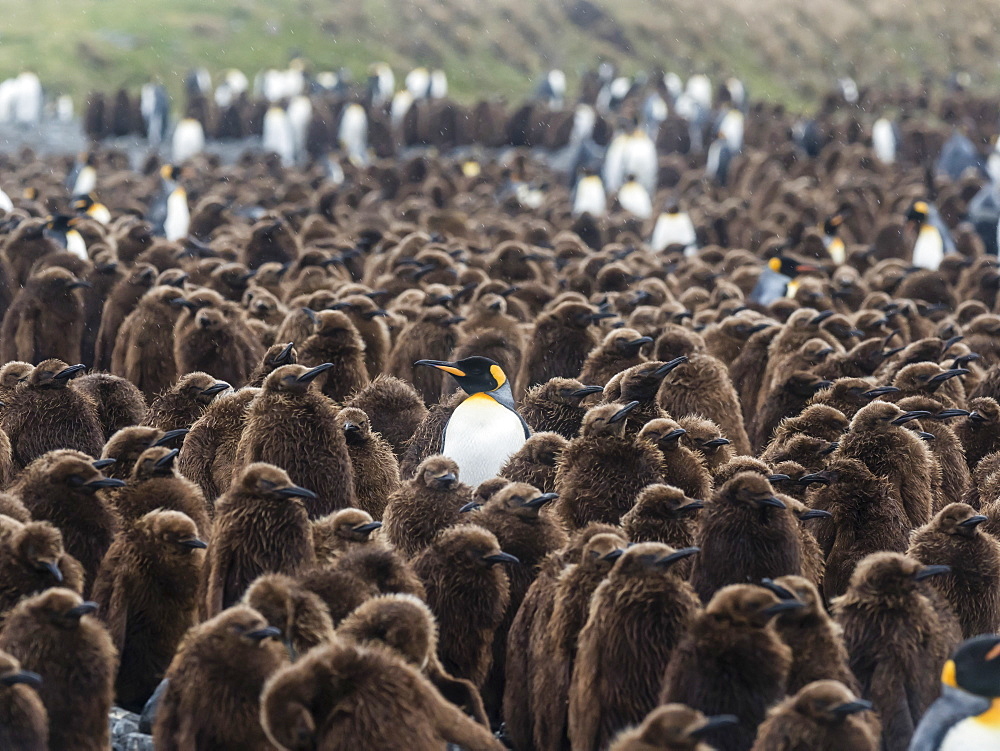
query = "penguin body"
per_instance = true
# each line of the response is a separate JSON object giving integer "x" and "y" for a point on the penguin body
{"x": 589, "y": 197}
{"x": 674, "y": 227}
{"x": 634, "y": 198}
{"x": 189, "y": 140}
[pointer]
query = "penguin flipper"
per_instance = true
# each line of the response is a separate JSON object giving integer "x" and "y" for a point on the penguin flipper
{"x": 24, "y": 338}
{"x": 889, "y": 695}
{"x": 953, "y": 706}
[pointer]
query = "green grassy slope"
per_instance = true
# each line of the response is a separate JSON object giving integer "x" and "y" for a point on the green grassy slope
{"x": 784, "y": 49}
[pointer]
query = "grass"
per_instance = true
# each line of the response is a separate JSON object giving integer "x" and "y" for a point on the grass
{"x": 785, "y": 50}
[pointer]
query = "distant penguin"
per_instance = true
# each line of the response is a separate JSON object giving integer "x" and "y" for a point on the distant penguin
{"x": 674, "y": 227}
{"x": 589, "y": 196}
{"x": 352, "y": 134}
{"x": 634, "y": 198}
{"x": 168, "y": 212}
{"x": 932, "y": 242}
{"x": 154, "y": 104}
{"x": 885, "y": 140}
{"x": 188, "y": 140}
{"x": 278, "y": 136}
{"x": 62, "y": 229}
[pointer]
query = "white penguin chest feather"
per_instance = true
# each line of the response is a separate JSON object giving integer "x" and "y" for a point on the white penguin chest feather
{"x": 970, "y": 735}
{"x": 929, "y": 248}
{"x": 480, "y": 437}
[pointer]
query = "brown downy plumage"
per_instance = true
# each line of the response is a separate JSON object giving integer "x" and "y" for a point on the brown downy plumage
{"x": 813, "y": 562}
{"x": 787, "y": 399}
{"x": 536, "y": 461}
{"x": 208, "y": 457}
{"x": 128, "y": 444}
{"x": 120, "y": 302}
{"x": 314, "y": 703}
{"x": 425, "y": 505}
{"x": 898, "y": 640}
{"x": 600, "y": 473}
{"x": 954, "y": 477}
{"x": 341, "y": 531}
{"x": 557, "y": 636}
{"x": 559, "y": 343}
{"x": 212, "y": 698}
{"x": 374, "y": 465}
{"x": 819, "y": 423}
{"x": 295, "y": 427}
{"x": 748, "y": 370}
{"x": 469, "y": 593}
{"x": 733, "y": 635}
{"x": 369, "y": 320}
{"x": 300, "y": 615}
{"x": 184, "y": 402}
{"x": 705, "y": 438}
{"x": 54, "y": 635}
{"x": 953, "y": 538}
{"x": 13, "y": 378}
{"x": 26, "y": 723}
{"x": 144, "y": 350}
{"x": 825, "y": 716}
{"x": 980, "y": 431}
{"x": 394, "y": 409}
{"x": 664, "y": 513}
{"x": 147, "y": 590}
{"x": 336, "y": 341}
{"x": 746, "y": 533}
{"x": 620, "y": 350}
{"x": 642, "y": 384}
{"x": 45, "y": 320}
{"x": 46, "y": 415}
{"x": 61, "y": 488}
{"x": 431, "y": 336}
{"x": 211, "y": 336}
{"x": 119, "y": 403}
{"x": 32, "y": 559}
{"x": 261, "y": 500}
{"x": 681, "y": 467}
{"x": 556, "y": 406}
{"x": 637, "y": 616}
{"x": 25, "y": 244}
{"x": 848, "y": 395}
{"x": 671, "y": 727}
{"x": 275, "y": 356}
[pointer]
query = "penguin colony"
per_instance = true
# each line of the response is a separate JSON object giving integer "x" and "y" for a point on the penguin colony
{"x": 444, "y": 452}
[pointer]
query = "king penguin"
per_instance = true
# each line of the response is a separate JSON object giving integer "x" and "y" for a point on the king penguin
{"x": 778, "y": 279}
{"x": 674, "y": 227}
{"x": 168, "y": 212}
{"x": 589, "y": 196}
{"x": 831, "y": 239}
{"x": 634, "y": 198}
{"x": 933, "y": 240}
{"x": 87, "y": 206}
{"x": 485, "y": 429}
{"x": 188, "y": 140}
{"x": 967, "y": 714}
{"x": 61, "y": 229}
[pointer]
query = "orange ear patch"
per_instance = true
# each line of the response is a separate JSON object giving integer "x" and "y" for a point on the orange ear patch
{"x": 497, "y": 372}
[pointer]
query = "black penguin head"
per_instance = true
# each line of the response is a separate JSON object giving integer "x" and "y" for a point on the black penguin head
{"x": 475, "y": 375}
{"x": 789, "y": 266}
{"x": 975, "y": 666}
{"x": 918, "y": 212}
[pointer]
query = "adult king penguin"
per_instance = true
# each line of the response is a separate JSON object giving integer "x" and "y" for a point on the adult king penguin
{"x": 485, "y": 430}
{"x": 933, "y": 240}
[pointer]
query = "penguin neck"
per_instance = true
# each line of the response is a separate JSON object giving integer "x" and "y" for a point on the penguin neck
{"x": 502, "y": 395}
{"x": 991, "y": 716}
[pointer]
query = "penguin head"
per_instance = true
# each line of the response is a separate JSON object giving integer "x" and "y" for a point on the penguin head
{"x": 985, "y": 411}
{"x": 172, "y": 532}
{"x": 53, "y": 374}
{"x": 606, "y": 420}
{"x": 663, "y": 433}
{"x": 666, "y": 502}
{"x": 355, "y": 425}
{"x": 975, "y": 666}
{"x": 157, "y": 461}
{"x": 890, "y": 577}
{"x": 200, "y": 387}
{"x": 244, "y": 629}
{"x": 62, "y": 608}
{"x": 438, "y": 473}
{"x": 350, "y": 524}
{"x": 625, "y": 343}
{"x": 543, "y": 449}
{"x": 958, "y": 519}
{"x": 520, "y": 499}
{"x": 399, "y": 621}
{"x": 918, "y": 212}
{"x": 270, "y": 483}
{"x": 40, "y": 546}
{"x": 799, "y": 589}
{"x": 679, "y": 726}
{"x": 293, "y": 379}
{"x": 472, "y": 547}
{"x": 750, "y": 490}
{"x": 789, "y": 266}
{"x": 170, "y": 172}
{"x": 747, "y": 606}
{"x": 828, "y": 702}
{"x": 72, "y": 472}
{"x": 646, "y": 559}
{"x": 476, "y": 375}
{"x": 603, "y": 550}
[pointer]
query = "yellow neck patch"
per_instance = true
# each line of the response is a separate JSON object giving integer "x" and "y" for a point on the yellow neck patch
{"x": 991, "y": 717}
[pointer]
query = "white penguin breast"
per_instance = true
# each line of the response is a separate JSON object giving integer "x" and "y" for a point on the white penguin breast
{"x": 480, "y": 437}
{"x": 929, "y": 248}
{"x": 970, "y": 735}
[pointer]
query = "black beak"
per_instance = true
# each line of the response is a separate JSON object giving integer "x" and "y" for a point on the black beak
{"x": 586, "y": 391}
{"x": 368, "y": 528}
{"x": 294, "y": 491}
{"x": 783, "y": 607}
{"x": 778, "y": 478}
{"x": 820, "y": 385}
{"x": 946, "y": 414}
{"x": 82, "y": 609}
{"x": 782, "y": 592}
{"x": 102, "y": 463}
{"x": 926, "y": 436}
{"x": 693, "y": 506}
{"x": 25, "y": 676}
{"x": 167, "y": 459}
{"x": 714, "y": 723}
{"x": 446, "y": 480}
{"x": 350, "y": 427}
{"x": 640, "y": 341}
{"x": 908, "y": 416}
{"x": 674, "y": 435}
{"x": 79, "y": 284}
{"x": 218, "y": 388}
{"x": 954, "y": 372}
{"x": 716, "y": 442}
{"x": 817, "y": 477}
{"x": 501, "y": 557}
{"x": 104, "y": 482}
{"x": 614, "y": 555}
{"x": 67, "y": 373}
{"x": 928, "y": 571}
{"x": 54, "y": 570}
{"x": 816, "y": 513}
{"x": 193, "y": 542}
{"x": 951, "y": 343}
{"x": 677, "y": 555}
{"x": 662, "y": 371}
{"x": 852, "y": 707}
{"x": 976, "y": 417}
{"x": 181, "y": 302}
{"x": 311, "y": 315}
{"x": 818, "y": 319}
{"x": 313, "y": 372}
{"x": 470, "y": 506}
{"x": 974, "y": 521}
{"x": 623, "y": 412}
{"x": 540, "y": 500}
{"x": 285, "y": 356}
{"x": 771, "y": 501}
{"x": 880, "y": 391}
{"x": 268, "y": 632}
{"x": 171, "y": 435}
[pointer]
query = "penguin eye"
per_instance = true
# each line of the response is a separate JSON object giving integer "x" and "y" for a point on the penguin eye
{"x": 74, "y": 481}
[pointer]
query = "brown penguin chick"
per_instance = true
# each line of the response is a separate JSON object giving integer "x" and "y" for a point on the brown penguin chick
{"x": 128, "y": 444}
{"x": 801, "y": 326}
{"x": 45, "y": 320}
{"x": 271, "y": 241}
{"x": 927, "y": 379}
{"x": 617, "y": 673}
{"x": 212, "y": 697}
{"x": 230, "y": 280}
{"x": 817, "y": 420}
{"x": 738, "y": 464}
{"x": 705, "y": 438}
{"x": 861, "y": 361}
{"x": 727, "y": 338}
{"x": 663, "y": 513}
{"x": 315, "y": 703}
{"x": 61, "y": 488}
{"x": 681, "y": 467}
{"x": 848, "y": 395}
{"x": 671, "y": 727}
{"x": 600, "y": 473}
{"x": 879, "y": 439}
{"x": 369, "y": 320}
{"x": 132, "y": 240}
{"x": 32, "y": 559}
{"x": 898, "y": 640}
{"x": 374, "y": 465}
{"x": 556, "y": 406}
{"x": 868, "y": 517}
{"x": 341, "y": 531}
{"x": 425, "y": 505}
{"x": 26, "y": 723}
{"x": 787, "y": 399}
{"x": 809, "y": 356}
{"x": 979, "y": 432}
{"x": 734, "y": 630}
{"x": 953, "y": 538}
{"x": 54, "y": 635}
{"x": 13, "y": 378}
{"x": 211, "y": 335}
{"x": 813, "y": 562}
{"x": 431, "y": 336}
{"x": 209, "y": 454}
{"x": 406, "y": 625}
{"x": 276, "y": 356}
{"x": 261, "y": 500}
{"x": 748, "y": 370}
{"x": 951, "y": 483}
{"x": 825, "y": 715}
{"x": 184, "y": 402}
{"x": 394, "y": 409}
{"x": 336, "y": 341}
{"x": 119, "y": 403}
{"x": 156, "y": 484}
{"x": 121, "y": 301}
{"x": 557, "y": 639}
{"x": 47, "y": 415}
{"x": 746, "y": 533}
{"x": 815, "y": 639}
{"x": 535, "y": 462}
{"x": 469, "y": 593}
{"x": 147, "y": 591}
{"x": 559, "y": 343}
{"x": 300, "y": 615}
{"x": 294, "y": 427}
{"x": 144, "y": 350}
{"x": 24, "y": 245}
{"x": 620, "y": 350}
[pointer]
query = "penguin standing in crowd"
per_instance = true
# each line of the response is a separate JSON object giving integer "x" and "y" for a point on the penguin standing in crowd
{"x": 933, "y": 239}
{"x": 485, "y": 430}
{"x": 169, "y": 213}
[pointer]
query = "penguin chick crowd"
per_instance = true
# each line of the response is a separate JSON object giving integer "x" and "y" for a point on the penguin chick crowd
{"x": 439, "y": 454}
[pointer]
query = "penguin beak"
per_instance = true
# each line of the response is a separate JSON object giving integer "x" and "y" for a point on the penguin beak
{"x": 102, "y": 463}
{"x": 852, "y": 707}
{"x": 782, "y": 592}
{"x": 350, "y": 427}
{"x": 928, "y": 571}
{"x": 856, "y": 333}
{"x": 104, "y": 482}
{"x": 661, "y": 372}
{"x": 181, "y": 302}
{"x": 53, "y": 569}
{"x": 540, "y": 500}
{"x": 783, "y": 607}
{"x": 313, "y": 372}
{"x": 470, "y": 506}
{"x": 167, "y": 459}
{"x": 816, "y": 477}
{"x": 689, "y": 507}
{"x": 640, "y": 341}
{"x": 311, "y": 315}
{"x": 218, "y": 388}
{"x": 268, "y": 632}
{"x": 67, "y": 373}
{"x": 716, "y": 442}
{"x": 447, "y": 367}
{"x": 673, "y": 435}
{"x": 820, "y": 385}
{"x": 908, "y": 416}
{"x": 446, "y": 480}
{"x": 816, "y": 513}
{"x": 614, "y": 555}
{"x": 714, "y": 723}
{"x": 285, "y": 356}
{"x": 25, "y": 676}
{"x": 677, "y": 555}
{"x": 194, "y": 543}
{"x": 949, "y": 343}
{"x": 954, "y": 372}
{"x": 818, "y": 319}
{"x": 79, "y": 284}
{"x": 501, "y": 557}
{"x": 924, "y": 435}
{"x": 295, "y": 491}
{"x": 770, "y": 501}
{"x": 365, "y": 529}
{"x": 623, "y": 412}
{"x": 586, "y": 391}
{"x": 946, "y": 414}
{"x": 973, "y": 521}
{"x": 171, "y": 435}
{"x": 961, "y": 361}
{"x": 976, "y": 417}
{"x": 880, "y": 391}
{"x": 82, "y": 609}
{"x": 759, "y": 327}
{"x": 778, "y": 478}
